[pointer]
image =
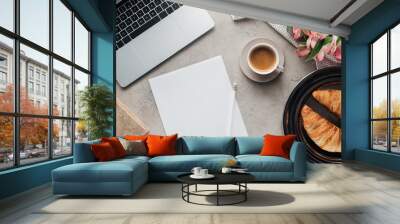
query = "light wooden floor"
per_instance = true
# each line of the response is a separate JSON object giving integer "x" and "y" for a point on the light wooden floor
{"x": 379, "y": 189}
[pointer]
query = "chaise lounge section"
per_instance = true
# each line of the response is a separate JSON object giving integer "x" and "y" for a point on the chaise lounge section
{"x": 125, "y": 176}
{"x": 88, "y": 177}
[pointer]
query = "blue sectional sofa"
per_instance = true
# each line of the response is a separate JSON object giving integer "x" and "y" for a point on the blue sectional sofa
{"x": 125, "y": 176}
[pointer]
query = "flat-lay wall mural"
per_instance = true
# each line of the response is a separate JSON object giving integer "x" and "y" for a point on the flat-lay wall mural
{"x": 226, "y": 75}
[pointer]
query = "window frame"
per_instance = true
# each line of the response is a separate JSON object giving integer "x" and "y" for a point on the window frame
{"x": 3, "y": 74}
{"x": 16, "y": 114}
{"x": 388, "y": 74}
{"x": 3, "y": 70}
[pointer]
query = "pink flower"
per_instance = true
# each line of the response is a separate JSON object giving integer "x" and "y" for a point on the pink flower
{"x": 338, "y": 53}
{"x": 310, "y": 42}
{"x": 317, "y": 35}
{"x": 336, "y": 49}
{"x": 322, "y": 36}
{"x": 320, "y": 56}
{"x": 302, "y": 52}
{"x": 313, "y": 34}
{"x": 326, "y": 48}
{"x": 296, "y": 33}
{"x": 306, "y": 32}
{"x": 333, "y": 45}
{"x": 332, "y": 48}
{"x": 324, "y": 51}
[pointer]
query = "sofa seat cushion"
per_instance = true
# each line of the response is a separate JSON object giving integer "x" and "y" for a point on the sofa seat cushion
{"x": 257, "y": 163}
{"x": 185, "y": 163}
{"x": 133, "y": 158}
{"x": 113, "y": 171}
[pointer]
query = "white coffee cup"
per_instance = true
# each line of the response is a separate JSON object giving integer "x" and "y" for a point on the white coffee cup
{"x": 203, "y": 172}
{"x": 226, "y": 170}
{"x": 275, "y": 65}
{"x": 196, "y": 170}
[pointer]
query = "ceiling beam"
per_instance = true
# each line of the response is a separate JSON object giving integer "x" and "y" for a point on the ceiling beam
{"x": 346, "y": 12}
{"x": 269, "y": 15}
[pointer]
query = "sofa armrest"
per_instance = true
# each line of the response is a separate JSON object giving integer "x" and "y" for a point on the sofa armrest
{"x": 298, "y": 156}
{"x": 83, "y": 152}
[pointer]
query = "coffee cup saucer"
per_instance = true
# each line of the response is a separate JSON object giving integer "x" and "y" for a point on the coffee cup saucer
{"x": 249, "y": 73}
{"x": 200, "y": 177}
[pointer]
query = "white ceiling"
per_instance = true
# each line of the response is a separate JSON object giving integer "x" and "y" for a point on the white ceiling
{"x": 321, "y": 9}
{"x": 320, "y": 15}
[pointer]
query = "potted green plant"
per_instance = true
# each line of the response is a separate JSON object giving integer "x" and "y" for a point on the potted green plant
{"x": 97, "y": 103}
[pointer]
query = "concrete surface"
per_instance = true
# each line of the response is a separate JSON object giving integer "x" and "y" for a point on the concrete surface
{"x": 127, "y": 122}
{"x": 261, "y": 105}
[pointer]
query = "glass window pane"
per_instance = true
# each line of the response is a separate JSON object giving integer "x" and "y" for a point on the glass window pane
{"x": 81, "y": 82}
{"x": 395, "y": 47}
{"x": 379, "y": 56}
{"x": 33, "y": 140}
{"x": 35, "y": 21}
{"x": 395, "y": 94}
{"x": 81, "y": 131}
{"x": 34, "y": 97}
{"x": 379, "y": 97}
{"x": 6, "y": 74}
{"x": 379, "y": 135}
{"x": 62, "y": 138}
{"x": 62, "y": 89}
{"x": 395, "y": 136}
{"x": 62, "y": 28}
{"x": 7, "y": 14}
{"x": 6, "y": 142}
{"x": 81, "y": 45}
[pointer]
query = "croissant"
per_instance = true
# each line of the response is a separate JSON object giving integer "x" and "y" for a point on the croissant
{"x": 325, "y": 134}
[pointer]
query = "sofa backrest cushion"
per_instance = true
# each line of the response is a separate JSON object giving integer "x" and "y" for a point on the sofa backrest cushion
{"x": 161, "y": 145}
{"x": 195, "y": 145}
{"x": 277, "y": 145}
{"x": 83, "y": 152}
{"x": 104, "y": 151}
{"x": 249, "y": 145}
{"x": 116, "y": 145}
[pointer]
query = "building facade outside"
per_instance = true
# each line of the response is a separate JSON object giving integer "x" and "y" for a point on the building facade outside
{"x": 34, "y": 82}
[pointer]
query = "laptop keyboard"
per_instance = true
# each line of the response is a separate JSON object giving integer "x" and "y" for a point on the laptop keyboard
{"x": 136, "y": 16}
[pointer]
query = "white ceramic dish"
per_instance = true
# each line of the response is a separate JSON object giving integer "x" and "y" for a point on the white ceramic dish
{"x": 248, "y": 72}
{"x": 208, "y": 176}
{"x": 276, "y": 55}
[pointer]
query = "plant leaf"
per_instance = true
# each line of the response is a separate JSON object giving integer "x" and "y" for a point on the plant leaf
{"x": 318, "y": 47}
{"x": 97, "y": 103}
{"x": 314, "y": 51}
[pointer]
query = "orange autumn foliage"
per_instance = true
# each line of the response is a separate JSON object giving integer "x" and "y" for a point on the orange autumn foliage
{"x": 33, "y": 130}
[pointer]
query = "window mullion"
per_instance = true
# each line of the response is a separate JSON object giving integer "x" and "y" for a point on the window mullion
{"x": 371, "y": 142}
{"x": 16, "y": 70}
{"x": 73, "y": 82}
{"x": 89, "y": 53}
{"x": 50, "y": 81}
{"x": 389, "y": 101}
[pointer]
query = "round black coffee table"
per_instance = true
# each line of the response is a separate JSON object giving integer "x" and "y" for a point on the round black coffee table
{"x": 238, "y": 179}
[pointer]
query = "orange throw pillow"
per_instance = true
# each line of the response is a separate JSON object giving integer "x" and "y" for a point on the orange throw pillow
{"x": 135, "y": 137}
{"x": 277, "y": 145}
{"x": 103, "y": 152}
{"x": 116, "y": 145}
{"x": 161, "y": 145}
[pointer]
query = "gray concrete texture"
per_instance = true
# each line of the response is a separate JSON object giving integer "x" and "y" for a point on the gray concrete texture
{"x": 261, "y": 105}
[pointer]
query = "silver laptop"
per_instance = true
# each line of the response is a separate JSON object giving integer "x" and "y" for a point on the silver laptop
{"x": 150, "y": 31}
